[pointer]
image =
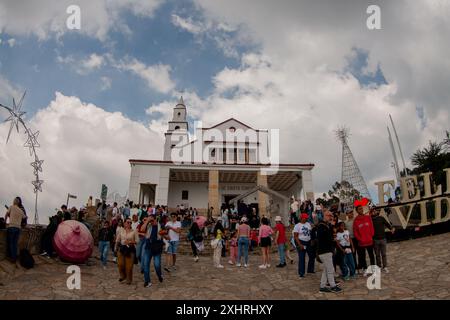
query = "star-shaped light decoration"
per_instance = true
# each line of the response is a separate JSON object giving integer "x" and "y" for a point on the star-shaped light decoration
{"x": 15, "y": 115}
{"x": 37, "y": 185}
{"x": 37, "y": 165}
{"x": 32, "y": 141}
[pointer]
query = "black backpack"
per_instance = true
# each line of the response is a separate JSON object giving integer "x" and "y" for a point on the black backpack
{"x": 26, "y": 259}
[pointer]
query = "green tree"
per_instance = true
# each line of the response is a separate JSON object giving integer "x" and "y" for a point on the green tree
{"x": 433, "y": 158}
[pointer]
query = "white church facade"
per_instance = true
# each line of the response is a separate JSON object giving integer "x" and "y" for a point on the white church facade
{"x": 221, "y": 163}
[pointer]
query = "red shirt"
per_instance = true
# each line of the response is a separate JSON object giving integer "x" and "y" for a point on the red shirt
{"x": 254, "y": 235}
{"x": 363, "y": 230}
{"x": 281, "y": 233}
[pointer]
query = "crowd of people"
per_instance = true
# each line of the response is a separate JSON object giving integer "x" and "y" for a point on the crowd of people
{"x": 138, "y": 234}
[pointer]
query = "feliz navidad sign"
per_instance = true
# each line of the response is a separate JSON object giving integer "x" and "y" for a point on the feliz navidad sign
{"x": 412, "y": 196}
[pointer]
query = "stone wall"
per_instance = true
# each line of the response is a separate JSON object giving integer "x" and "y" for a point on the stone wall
{"x": 29, "y": 237}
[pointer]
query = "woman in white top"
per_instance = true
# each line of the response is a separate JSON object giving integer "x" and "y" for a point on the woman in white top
{"x": 126, "y": 241}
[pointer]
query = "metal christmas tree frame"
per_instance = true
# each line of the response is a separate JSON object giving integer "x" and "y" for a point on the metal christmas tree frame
{"x": 350, "y": 169}
{"x": 15, "y": 118}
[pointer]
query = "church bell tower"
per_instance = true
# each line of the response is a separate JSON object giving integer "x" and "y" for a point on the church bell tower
{"x": 178, "y": 129}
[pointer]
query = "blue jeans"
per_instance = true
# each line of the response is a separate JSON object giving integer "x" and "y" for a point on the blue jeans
{"x": 173, "y": 246}
{"x": 302, "y": 258}
{"x": 281, "y": 253}
{"x": 103, "y": 247}
{"x": 146, "y": 260}
{"x": 348, "y": 264}
{"x": 140, "y": 251}
{"x": 12, "y": 239}
{"x": 243, "y": 248}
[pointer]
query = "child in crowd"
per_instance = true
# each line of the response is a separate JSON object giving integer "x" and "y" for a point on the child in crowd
{"x": 345, "y": 250}
{"x": 233, "y": 248}
{"x": 253, "y": 238}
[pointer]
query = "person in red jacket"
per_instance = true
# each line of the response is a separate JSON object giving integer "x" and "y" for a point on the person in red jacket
{"x": 363, "y": 232}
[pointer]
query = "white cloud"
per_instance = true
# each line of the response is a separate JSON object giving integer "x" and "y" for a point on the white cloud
{"x": 47, "y": 18}
{"x": 106, "y": 83}
{"x": 157, "y": 76}
{"x": 218, "y": 32}
{"x": 187, "y": 24}
{"x": 82, "y": 146}
{"x": 94, "y": 61}
{"x": 83, "y": 66}
{"x": 7, "y": 91}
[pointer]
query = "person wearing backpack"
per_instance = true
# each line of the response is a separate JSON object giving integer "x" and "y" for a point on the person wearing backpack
{"x": 15, "y": 215}
{"x": 325, "y": 245}
{"x": 153, "y": 248}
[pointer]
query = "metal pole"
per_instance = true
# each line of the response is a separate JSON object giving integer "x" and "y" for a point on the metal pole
{"x": 36, "y": 217}
{"x": 399, "y": 147}
{"x": 397, "y": 171}
{"x": 67, "y": 203}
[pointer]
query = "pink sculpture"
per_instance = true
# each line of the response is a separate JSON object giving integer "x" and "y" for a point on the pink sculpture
{"x": 73, "y": 241}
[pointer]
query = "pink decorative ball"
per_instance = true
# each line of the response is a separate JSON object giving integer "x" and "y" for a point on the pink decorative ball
{"x": 73, "y": 241}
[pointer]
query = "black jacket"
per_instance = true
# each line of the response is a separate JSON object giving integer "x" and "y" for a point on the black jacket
{"x": 379, "y": 225}
{"x": 105, "y": 234}
{"x": 325, "y": 241}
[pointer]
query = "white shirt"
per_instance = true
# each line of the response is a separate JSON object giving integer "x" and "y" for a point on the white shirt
{"x": 303, "y": 230}
{"x": 343, "y": 238}
{"x": 115, "y": 211}
{"x": 294, "y": 206}
{"x": 174, "y": 236}
{"x": 134, "y": 225}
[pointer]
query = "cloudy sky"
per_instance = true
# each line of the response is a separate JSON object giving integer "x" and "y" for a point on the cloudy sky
{"x": 103, "y": 94}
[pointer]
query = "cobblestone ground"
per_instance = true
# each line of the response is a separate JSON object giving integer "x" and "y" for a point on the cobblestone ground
{"x": 419, "y": 269}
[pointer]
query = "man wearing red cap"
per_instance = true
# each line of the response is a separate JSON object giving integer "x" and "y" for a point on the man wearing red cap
{"x": 363, "y": 232}
{"x": 302, "y": 237}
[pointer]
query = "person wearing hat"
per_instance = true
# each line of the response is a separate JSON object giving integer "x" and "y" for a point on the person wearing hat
{"x": 302, "y": 237}
{"x": 280, "y": 239}
{"x": 243, "y": 236}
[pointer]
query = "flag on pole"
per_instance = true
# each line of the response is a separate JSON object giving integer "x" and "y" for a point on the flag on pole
{"x": 72, "y": 196}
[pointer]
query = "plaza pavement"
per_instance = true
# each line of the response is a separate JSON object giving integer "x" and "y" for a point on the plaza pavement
{"x": 419, "y": 269}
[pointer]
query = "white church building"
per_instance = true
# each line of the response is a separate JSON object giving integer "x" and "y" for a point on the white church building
{"x": 217, "y": 165}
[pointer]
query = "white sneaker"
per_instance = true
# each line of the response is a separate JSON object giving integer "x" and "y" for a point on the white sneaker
{"x": 230, "y": 262}
{"x": 220, "y": 266}
{"x": 238, "y": 264}
{"x": 263, "y": 266}
{"x": 245, "y": 265}
{"x": 196, "y": 259}
{"x": 148, "y": 285}
{"x": 114, "y": 259}
{"x": 268, "y": 265}
{"x": 386, "y": 270}
{"x": 104, "y": 267}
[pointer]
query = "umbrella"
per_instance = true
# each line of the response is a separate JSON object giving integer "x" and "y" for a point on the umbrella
{"x": 73, "y": 241}
{"x": 200, "y": 221}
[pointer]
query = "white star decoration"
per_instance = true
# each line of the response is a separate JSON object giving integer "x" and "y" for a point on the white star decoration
{"x": 32, "y": 141}
{"x": 37, "y": 185}
{"x": 16, "y": 115}
{"x": 37, "y": 165}
{"x": 15, "y": 118}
